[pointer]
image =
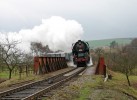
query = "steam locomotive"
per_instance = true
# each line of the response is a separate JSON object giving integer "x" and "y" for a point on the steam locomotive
{"x": 80, "y": 52}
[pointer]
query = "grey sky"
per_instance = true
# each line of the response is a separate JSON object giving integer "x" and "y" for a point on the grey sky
{"x": 100, "y": 18}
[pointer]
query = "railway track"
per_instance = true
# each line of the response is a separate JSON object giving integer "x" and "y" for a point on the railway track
{"x": 33, "y": 91}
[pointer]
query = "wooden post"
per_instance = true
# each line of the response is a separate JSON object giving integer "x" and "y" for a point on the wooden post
{"x": 26, "y": 70}
{"x": 20, "y": 71}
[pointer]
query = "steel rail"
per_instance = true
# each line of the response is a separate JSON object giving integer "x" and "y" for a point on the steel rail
{"x": 29, "y": 85}
{"x": 36, "y": 95}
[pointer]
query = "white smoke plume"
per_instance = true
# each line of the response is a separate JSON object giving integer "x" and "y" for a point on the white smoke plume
{"x": 56, "y": 32}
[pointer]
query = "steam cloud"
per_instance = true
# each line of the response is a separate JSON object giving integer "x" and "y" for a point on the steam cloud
{"x": 56, "y": 32}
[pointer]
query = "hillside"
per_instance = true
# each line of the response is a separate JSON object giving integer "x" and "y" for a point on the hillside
{"x": 106, "y": 42}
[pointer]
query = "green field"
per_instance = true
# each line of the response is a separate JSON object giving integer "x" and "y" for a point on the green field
{"x": 106, "y": 42}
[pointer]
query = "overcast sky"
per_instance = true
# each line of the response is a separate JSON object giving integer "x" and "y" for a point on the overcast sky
{"x": 100, "y": 19}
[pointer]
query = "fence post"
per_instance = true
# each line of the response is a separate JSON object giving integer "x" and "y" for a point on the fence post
{"x": 26, "y": 70}
{"x": 20, "y": 71}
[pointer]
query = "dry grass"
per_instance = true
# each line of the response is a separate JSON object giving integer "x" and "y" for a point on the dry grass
{"x": 16, "y": 81}
{"x": 94, "y": 87}
{"x": 87, "y": 87}
{"x": 119, "y": 82}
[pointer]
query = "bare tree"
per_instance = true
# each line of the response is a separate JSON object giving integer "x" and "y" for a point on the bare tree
{"x": 27, "y": 60}
{"x": 39, "y": 50}
{"x": 10, "y": 54}
{"x": 124, "y": 64}
{"x": 1, "y": 64}
{"x": 99, "y": 51}
{"x": 124, "y": 60}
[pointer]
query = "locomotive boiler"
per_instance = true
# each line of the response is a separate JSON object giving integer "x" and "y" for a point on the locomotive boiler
{"x": 80, "y": 52}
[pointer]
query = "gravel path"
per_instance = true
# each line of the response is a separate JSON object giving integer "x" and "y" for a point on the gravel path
{"x": 90, "y": 70}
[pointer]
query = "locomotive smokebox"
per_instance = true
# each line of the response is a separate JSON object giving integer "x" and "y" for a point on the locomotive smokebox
{"x": 80, "y": 52}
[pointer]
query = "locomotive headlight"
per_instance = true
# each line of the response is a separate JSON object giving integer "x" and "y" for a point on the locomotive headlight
{"x": 80, "y": 49}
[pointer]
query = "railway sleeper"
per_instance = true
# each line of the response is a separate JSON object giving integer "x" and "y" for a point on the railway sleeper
{"x": 38, "y": 87}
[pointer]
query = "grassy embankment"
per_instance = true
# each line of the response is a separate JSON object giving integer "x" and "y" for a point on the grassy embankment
{"x": 94, "y": 88}
{"x": 118, "y": 83}
{"x": 15, "y": 78}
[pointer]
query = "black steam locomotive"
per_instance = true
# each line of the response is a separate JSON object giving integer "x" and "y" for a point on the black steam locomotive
{"x": 80, "y": 51}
